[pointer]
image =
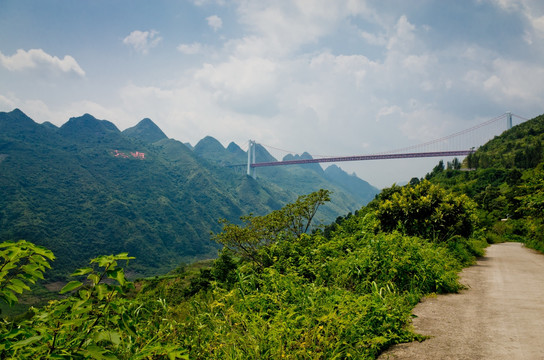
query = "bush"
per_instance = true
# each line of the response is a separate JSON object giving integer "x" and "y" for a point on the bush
{"x": 427, "y": 211}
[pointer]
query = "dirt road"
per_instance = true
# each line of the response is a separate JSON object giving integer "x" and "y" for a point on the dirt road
{"x": 499, "y": 316}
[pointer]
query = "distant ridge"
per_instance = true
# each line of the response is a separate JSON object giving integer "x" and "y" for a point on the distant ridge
{"x": 146, "y": 130}
{"x": 87, "y": 127}
{"x": 349, "y": 192}
{"x": 86, "y": 189}
{"x": 66, "y": 189}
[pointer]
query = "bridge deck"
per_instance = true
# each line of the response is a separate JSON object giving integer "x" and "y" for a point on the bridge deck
{"x": 365, "y": 157}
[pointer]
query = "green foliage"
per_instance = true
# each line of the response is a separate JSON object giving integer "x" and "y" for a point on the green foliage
{"x": 298, "y": 216}
{"x": 260, "y": 231}
{"x": 273, "y": 316}
{"x": 96, "y": 322}
{"x": 67, "y": 184}
{"x": 21, "y": 263}
{"x": 428, "y": 211}
{"x": 278, "y": 291}
{"x": 519, "y": 147}
{"x": 507, "y": 184}
{"x": 411, "y": 264}
{"x": 293, "y": 295}
{"x": 346, "y": 295}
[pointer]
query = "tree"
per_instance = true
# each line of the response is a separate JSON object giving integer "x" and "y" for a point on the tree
{"x": 299, "y": 215}
{"x": 290, "y": 222}
{"x": 414, "y": 181}
{"x": 455, "y": 164}
{"x": 428, "y": 211}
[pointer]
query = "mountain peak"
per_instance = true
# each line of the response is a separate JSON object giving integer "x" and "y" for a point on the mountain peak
{"x": 209, "y": 146}
{"x": 18, "y": 116}
{"x": 304, "y": 156}
{"x": 15, "y": 121}
{"x": 235, "y": 149}
{"x": 87, "y": 125}
{"x": 147, "y": 131}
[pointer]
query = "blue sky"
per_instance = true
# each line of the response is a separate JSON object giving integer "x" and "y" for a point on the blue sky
{"x": 331, "y": 77}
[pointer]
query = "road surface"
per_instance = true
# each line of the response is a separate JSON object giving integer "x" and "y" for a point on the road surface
{"x": 499, "y": 316}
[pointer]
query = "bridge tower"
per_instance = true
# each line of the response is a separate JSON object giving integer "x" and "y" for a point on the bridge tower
{"x": 251, "y": 159}
{"x": 508, "y": 120}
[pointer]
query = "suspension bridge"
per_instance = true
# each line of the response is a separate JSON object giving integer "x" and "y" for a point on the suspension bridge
{"x": 461, "y": 143}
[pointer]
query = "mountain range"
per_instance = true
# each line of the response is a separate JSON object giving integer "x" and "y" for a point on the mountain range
{"x": 86, "y": 188}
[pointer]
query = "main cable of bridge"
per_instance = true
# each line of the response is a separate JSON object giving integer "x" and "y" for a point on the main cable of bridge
{"x": 393, "y": 154}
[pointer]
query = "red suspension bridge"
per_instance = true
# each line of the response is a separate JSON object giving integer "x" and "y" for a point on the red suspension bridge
{"x": 461, "y": 143}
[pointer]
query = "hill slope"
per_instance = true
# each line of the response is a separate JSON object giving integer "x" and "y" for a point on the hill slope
{"x": 507, "y": 182}
{"x": 86, "y": 189}
{"x": 349, "y": 192}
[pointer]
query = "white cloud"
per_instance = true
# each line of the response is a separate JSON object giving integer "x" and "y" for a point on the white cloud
{"x": 300, "y": 74}
{"x": 278, "y": 28}
{"x": 532, "y": 10}
{"x": 403, "y": 36}
{"x": 39, "y": 59}
{"x": 538, "y": 25}
{"x": 142, "y": 41}
{"x": 374, "y": 39}
{"x": 190, "y": 49}
{"x": 248, "y": 85}
{"x": 214, "y": 22}
{"x": 208, "y": 2}
{"x": 6, "y": 103}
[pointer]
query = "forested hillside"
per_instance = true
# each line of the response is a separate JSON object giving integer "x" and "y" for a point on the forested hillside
{"x": 348, "y": 191}
{"x": 507, "y": 182}
{"x": 279, "y": 290}
{"x": 86, "y": 188}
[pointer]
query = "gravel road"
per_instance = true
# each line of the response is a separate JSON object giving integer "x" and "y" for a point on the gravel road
{"x": 499, "y": 316}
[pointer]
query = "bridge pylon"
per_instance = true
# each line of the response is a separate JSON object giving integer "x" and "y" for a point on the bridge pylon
{"x": 508, "y": 120}
{"x": 251, "y": 159}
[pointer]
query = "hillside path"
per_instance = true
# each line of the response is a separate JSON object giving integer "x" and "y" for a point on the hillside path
{"x": 499, "y": 316}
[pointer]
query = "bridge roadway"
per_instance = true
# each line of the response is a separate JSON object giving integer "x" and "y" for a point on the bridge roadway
{"x": 366, "y": 157}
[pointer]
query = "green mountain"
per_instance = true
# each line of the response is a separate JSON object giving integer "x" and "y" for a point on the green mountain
{"x": 349, "y": 192}
{"x": 506, "y": 178}
{"x": 520, "y": 147}
{"x": 146, "y": 130}
{"x": 345, "y": 292}
{"x": 86, "y": 188}
{"x": 363, "y": 191}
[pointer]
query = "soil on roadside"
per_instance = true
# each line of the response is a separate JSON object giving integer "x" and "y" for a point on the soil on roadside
{"x": 499, "y": 316}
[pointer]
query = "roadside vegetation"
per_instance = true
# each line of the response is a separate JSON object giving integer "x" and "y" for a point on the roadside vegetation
{"x": 275, "y": 291}
{"x": 281, "y": 288}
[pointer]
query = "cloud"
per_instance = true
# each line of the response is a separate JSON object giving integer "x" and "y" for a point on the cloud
{"x": 190, "y": 49}
{"x": 404, "y": 34}
{"x": 142, "y": 41}
{"x": 333, "y": 78}
{"x": 39, "y": 59}
{"x": 532, "y": 10}
{"x": 209, "y": 2}
{"x": 282, "y": 27}
{"x": 374, "y": 39}
{"x": 6, "y": 104}
{"x": 247, "y": 85}
{"x": 215, "y": 22}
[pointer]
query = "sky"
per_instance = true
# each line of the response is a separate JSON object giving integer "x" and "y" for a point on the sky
{"x": 329, "y": 77}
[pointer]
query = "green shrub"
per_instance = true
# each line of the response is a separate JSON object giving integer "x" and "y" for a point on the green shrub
{"x": 427, "y": 211}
